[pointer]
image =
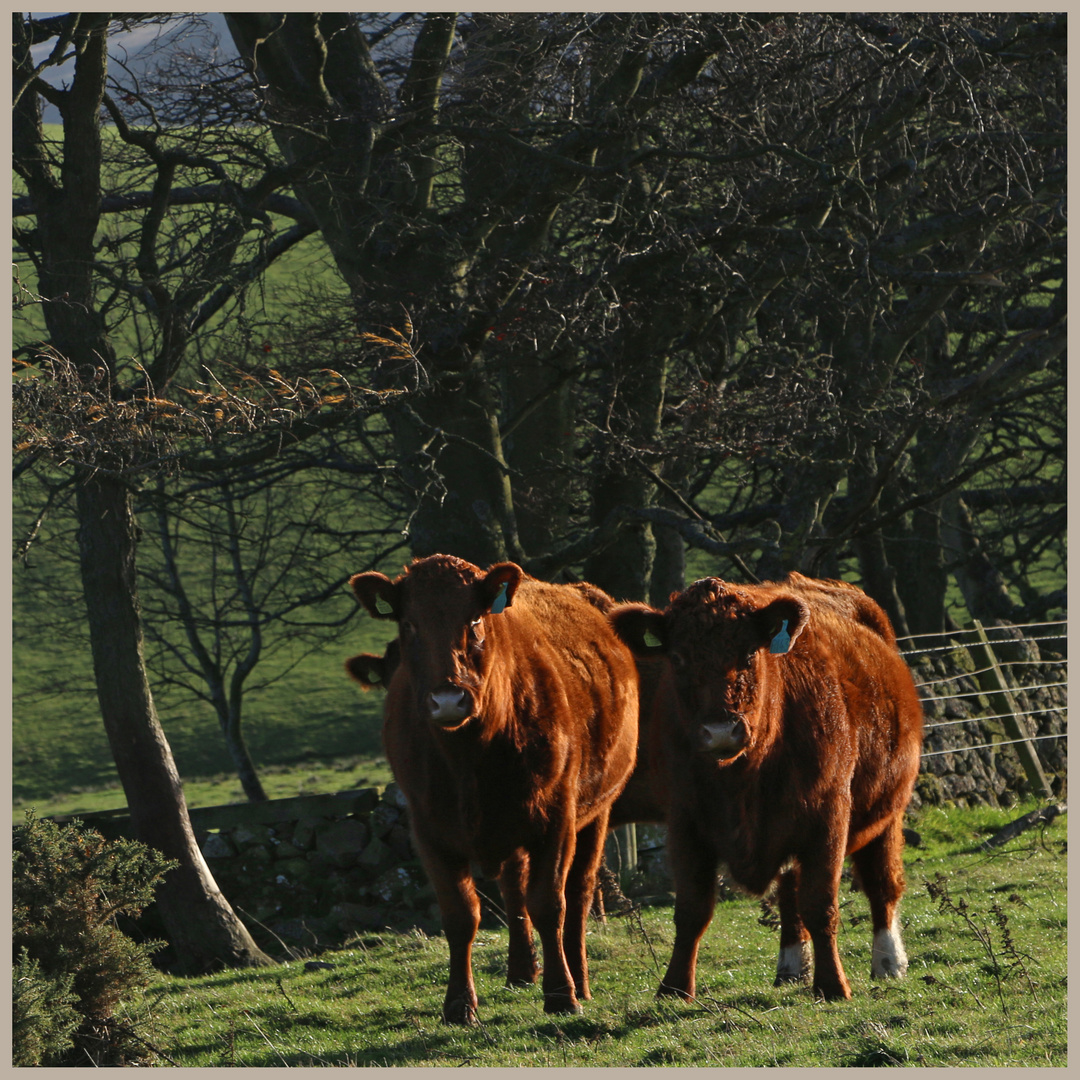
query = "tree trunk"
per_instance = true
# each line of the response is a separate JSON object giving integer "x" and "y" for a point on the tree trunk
{"x": 921, "y": 578}
{"x": 669, "y": 566}
{"x": 879, "y": 579}
{"x": 199, "y": 922}
{"x": 201, "y": 926}
{"x": 539, "y": 446}
{"x": 636, "y": 397}
{"x": 985, "y": 593}
{"x": 241, "y": 758}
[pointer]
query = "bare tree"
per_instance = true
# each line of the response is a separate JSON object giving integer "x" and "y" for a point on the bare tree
{"x": 617, "y": 233}
{"x": 247, "y": 575}
{"x": 111, "y": 420}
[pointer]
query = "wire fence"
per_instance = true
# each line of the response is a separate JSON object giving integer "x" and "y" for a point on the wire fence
{"x": 962, "y": 640}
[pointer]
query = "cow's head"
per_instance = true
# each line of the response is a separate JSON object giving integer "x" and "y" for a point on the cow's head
{"x": 375, "y": 672}
{"x": 443, "y": 607}
{"x": 718, "y": 638}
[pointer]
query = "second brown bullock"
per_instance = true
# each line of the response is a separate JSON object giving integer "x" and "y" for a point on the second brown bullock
{"x": 791, "y": 732}
{"x": 510, "y": 725}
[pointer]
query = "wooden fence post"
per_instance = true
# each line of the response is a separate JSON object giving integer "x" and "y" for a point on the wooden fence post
{"x": 620, "y": 851}
{"x": 992, "y": 681}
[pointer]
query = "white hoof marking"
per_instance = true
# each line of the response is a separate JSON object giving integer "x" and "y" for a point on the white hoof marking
{"x": 795, "y": 962}
{"x": 888, "y": 959}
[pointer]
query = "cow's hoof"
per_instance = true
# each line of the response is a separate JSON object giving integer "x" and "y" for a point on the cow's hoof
{"x": 790, "y": 980}
{"x": 795, "y": 965}
{"x": 832, "y": 993}
{"x": 459, "y": 1012}
{"x": 518, "y": 981}
{"x": 561, "y": 1004}
{"x": 668, "y": 990}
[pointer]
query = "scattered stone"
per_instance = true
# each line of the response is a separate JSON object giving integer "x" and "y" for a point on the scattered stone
{"x": 342, "y": 841}
{"x": 394, "y": 796}
{"x": 218, "y": 846}
{"x": 250, "y": 835}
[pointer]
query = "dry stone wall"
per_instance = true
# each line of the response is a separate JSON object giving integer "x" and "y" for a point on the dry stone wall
{"x": 310, "y": 873}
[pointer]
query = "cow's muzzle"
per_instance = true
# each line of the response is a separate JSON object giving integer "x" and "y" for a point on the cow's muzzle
{"x": 725, "y": 738}
{"x": 450, "y": 705}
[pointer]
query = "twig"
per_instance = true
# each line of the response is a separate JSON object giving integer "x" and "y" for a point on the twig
{"x": 292, "y": 1005}
{"x": 292, "y": 953}
{"x": 268, "y": 1042}
{"x": 1044, "y": 815}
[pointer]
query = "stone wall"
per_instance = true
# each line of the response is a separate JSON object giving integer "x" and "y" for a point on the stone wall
{"x": 955, "y": 706}
{"x": 309, "y": 873}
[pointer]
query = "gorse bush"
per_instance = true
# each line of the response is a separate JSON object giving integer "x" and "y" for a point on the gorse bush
{"x": 42, "y": 1013}
{"x": 75, "y": 967}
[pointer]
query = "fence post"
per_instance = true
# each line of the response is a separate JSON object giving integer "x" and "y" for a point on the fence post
{"x": 620, "y": 850}
{"x": 992, "y": 681}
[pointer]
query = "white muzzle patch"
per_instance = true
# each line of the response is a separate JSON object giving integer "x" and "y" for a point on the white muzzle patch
{"x": 448, "y": 706}
{"x": 726, "y": 738}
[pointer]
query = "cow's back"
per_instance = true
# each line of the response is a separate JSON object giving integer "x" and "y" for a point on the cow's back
{"x": 847, "y": 601}
{"x": 880, "y": 722}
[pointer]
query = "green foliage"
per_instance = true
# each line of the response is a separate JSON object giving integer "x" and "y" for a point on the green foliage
{"x": 69, "y": 884}
{"x": 377, "y": 1001}
{"x": 43, "y": 1016}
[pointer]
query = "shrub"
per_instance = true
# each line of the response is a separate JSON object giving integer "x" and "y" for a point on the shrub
{"x": 69, "y": 884}
{"x": 42, "y": 1014}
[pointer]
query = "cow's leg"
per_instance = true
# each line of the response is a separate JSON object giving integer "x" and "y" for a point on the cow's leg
{"x": 880, "y": 867}
{"x": 459, "y": 907}
{"x": 580, "y": 891}
{"x": 521, "y": 966}
{"x": 796, "y": 956}
{"x": 549, "y": 865}
{"x": 693, "y": 867}
{"x": 818, "y": 894}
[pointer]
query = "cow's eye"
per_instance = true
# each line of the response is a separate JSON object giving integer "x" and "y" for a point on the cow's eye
{"x": 677, "y": 659}
{"x": 477, "y": 628}
{"x": 407, "y": 626}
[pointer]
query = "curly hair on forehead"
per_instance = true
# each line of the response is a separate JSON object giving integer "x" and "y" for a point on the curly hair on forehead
{"x": 442, "y": 569}
{"x": 712, "y": 595}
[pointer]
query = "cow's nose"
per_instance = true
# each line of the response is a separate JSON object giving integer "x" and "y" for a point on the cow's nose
{"x": 449, "y": 705}
{"x": 725, "y": 738}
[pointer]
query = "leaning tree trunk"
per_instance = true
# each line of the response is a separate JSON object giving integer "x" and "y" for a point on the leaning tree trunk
{"x": 238, "y": 752}
{"x": 200, "y": 924}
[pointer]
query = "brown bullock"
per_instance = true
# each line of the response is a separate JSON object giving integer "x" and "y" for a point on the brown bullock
{"x": 510, "y": 725}
{"x": 644, "y": 799}
{"x": 791, "y": 732}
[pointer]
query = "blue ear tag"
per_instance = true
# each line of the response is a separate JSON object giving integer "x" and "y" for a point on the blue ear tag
{"x": 499, "y": 602}
{"x": 382, "y": 606}
{"x": 651, "y": 640}
{"x": 782, "y": 641}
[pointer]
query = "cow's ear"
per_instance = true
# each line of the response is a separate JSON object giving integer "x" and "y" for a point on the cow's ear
{"x": 642, "y": 628}
{"x": 496, "y": 588}
{"x": 377, "y": 593}
{"x": 778, "y": 624}
{"x": 367, "y": 669}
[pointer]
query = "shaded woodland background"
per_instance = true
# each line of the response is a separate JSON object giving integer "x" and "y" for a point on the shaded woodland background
{"x": 623, "y": 297}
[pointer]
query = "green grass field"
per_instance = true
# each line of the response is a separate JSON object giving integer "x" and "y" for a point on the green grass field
{"x": 326, "y": 739}
{"x": 978, "y": 993}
